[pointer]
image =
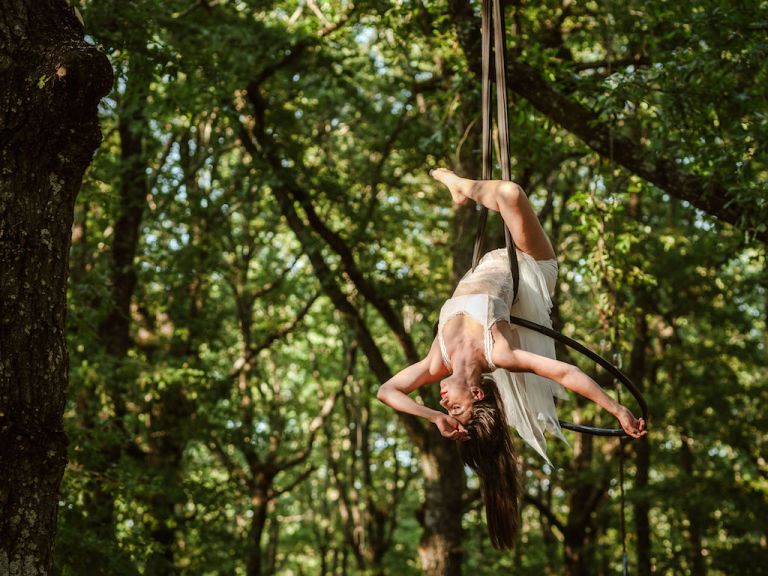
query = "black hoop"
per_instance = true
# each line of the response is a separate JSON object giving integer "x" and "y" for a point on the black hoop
{"x": 595, "y": 357}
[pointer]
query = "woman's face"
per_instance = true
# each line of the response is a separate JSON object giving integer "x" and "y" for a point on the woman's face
{"x": 457, "y": 397}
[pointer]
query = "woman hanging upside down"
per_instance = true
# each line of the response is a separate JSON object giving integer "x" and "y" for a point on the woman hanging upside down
{"x": 492, "y": 374}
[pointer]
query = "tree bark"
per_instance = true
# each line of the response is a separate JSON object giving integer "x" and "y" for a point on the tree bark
{"x": 584, "y": 498}
{"x": 441, "y": 548}
{"x": 50, "y": 84}
{"x": 115, "y": 329}
{"x": 163, "y": 461}
{"x": 259, "y": 504}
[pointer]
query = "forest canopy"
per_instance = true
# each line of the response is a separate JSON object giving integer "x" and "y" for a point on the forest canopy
{"x": 257, "y": 245}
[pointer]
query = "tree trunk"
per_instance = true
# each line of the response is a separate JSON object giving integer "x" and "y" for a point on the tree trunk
{"x": 163, "y": 461}
{"x": 260, "y": 504}
{"x": 642, "y": 507}
{"x": 441, "y": 548}
{"x": 639, "y": 373}
{"x": 50, "y": 84}
{"x": 583, "y": 499}
{"x": 698, "y": 566}
{"x": 114, "y": 330}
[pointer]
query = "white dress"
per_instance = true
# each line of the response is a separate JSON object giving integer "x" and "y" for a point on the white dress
{"x": 486, "y": 295}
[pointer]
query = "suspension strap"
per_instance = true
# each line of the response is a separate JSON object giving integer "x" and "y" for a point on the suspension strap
{"x": 493, "y": 16}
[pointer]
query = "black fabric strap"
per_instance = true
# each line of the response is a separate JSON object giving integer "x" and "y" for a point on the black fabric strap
{"x": 502, "y": 121}
{"x": 486, "y": 107}
{"x": 493, "y": 15}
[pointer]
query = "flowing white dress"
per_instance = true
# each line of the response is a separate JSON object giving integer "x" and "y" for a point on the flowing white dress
{"x": 486, "y": 295}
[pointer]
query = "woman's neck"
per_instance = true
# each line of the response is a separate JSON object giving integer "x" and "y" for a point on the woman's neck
{"x": 467, "y": 364}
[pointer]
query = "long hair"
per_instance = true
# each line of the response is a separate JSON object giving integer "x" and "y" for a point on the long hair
{"x": 490, "y": 453}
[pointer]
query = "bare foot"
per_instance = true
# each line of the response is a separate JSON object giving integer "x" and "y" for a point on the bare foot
{"x": 635, "y": 427}
{"x": 454, "y": 183}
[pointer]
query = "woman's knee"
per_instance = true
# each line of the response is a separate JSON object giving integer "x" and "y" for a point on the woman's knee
{"x": 511, "y": 194}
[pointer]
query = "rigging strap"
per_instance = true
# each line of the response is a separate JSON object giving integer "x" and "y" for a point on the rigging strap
{"x": 493, "y": 14}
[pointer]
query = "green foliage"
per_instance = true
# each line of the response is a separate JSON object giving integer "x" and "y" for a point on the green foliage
{"x": 236, "y": 345}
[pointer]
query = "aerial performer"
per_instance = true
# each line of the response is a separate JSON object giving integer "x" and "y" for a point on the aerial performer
{"x": 492, "y": 374}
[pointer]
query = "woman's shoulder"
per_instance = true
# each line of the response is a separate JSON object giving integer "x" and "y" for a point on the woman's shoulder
{"x": 505, "y": 335}
{"x": 434, "y": 360}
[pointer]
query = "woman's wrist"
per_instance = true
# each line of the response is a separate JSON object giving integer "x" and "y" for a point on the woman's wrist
{"x": 615, "y": 408}
{"x": 432, "y": 415}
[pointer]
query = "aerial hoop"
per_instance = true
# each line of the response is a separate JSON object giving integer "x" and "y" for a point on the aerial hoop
{"x": 597, "y": 359}
{"x": 493, "y": 17}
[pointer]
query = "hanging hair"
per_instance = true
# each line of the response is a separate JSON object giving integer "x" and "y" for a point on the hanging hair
{"x": 490, "y": 453}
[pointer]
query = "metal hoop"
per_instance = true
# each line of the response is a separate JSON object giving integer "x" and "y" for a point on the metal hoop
{"x": 595, "y": 357}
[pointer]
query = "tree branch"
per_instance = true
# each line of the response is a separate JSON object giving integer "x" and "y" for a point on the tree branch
{"x": 314, "y": 426}
{"x": 270, "y": 152}
{"x": 545, "y": 511}
{"x": 707, "y": 194}
{"x": 285, "y": 329}
{"x": 295, "y": 52}
{"x": 295, "y": 482}
{"x": 327, "y": 277}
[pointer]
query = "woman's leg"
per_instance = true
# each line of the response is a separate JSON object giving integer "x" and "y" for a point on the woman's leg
{"x": 510, "y": 200}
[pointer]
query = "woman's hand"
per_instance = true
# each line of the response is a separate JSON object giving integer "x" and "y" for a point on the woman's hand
{"x": 635, "y": 427}
{"x": 450, "y": 427}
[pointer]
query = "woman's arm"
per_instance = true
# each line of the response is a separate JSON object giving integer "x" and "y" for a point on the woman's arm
{"x": 517, "y": 360}
{"x": 394, "y": 393}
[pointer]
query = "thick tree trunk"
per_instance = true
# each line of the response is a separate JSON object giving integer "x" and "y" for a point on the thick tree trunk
{"x": 50, "y": 84}
{"x": 583, "y": 499}
{"x": 441, "y": 548}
